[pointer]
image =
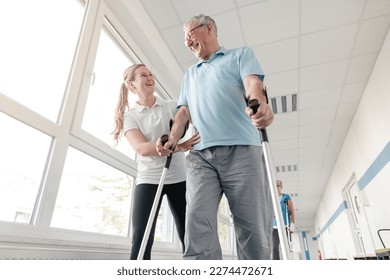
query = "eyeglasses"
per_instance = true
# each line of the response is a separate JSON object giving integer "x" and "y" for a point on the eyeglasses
{"x": 189, "y": 35}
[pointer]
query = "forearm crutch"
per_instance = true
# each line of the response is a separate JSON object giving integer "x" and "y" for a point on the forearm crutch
{"x": 288, "y": 227}
{"x": 156, "y": 201}
{"x": 254, "y": 105}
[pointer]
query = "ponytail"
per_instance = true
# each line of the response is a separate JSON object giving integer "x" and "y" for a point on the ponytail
{"x": 123, "y": 103}
{"x": 119, "y": 111}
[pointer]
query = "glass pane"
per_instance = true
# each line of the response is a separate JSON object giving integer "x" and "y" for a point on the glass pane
{"x": 23, "y": 153}
{"x": 224, "y": 207}
{"x": 223, "y": 232}
{"x": 224, "y": 225}
{"x": 165, "y": 226}
{"x": 93, "y": 196}
{"x": 36, "y": 51}
{"x": 111, "y": 61}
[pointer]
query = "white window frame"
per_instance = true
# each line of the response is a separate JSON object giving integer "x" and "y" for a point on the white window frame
{"x": 67, "y": 132}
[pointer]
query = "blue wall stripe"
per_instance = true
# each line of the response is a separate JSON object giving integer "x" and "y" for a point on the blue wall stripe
{"x": 378, "y": 164}
{"x": 305, "y": 245}
{"x": 376, "y": 167}
{"x": 335, "y": 215}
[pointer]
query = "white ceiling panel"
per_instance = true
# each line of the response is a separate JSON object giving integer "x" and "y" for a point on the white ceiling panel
{"x": 313, "y": 141}
{"x": 346, "y": 111}
{"x": 188, "y": 9}
{"x": 229, "y": 30}
{"x": 376, "y": 8}
{"x": 311, "y": 154}
{"x": 270, "y": 21}
{"x": 323, "y": 75}
{"x": 317, "y": 116}
{"x": 175, "y": 40}
{"x": 284, "y": 133}
{"x": 278, "y": 57}
{"x": 329, "y": 45}
{"x": 318, "y": 98}
{"x": 286, "y": 156}
{"x": 319, "y": 14}
{"x": 315, "y": 129}
{"x": 371, "y": 35}
{"x": 285, "y": 120}
{"x": 161, "y": 20}
{"x": 352, "y": 92}
{"x": 360, "y": 68}
{"x": 284, "y": 145}
{"x": 283, "y": 83}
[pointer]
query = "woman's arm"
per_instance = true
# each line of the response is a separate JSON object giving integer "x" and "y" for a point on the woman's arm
{"x": 137, "y": 141}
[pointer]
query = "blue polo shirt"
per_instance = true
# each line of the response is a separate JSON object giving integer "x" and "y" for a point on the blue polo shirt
{"x": 284, "y": 208}
{"x": 214, "y": 92}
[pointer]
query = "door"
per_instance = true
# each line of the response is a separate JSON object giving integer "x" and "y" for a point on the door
{"x": 360, "y": 226}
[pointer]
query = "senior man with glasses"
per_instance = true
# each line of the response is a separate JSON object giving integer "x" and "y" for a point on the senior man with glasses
{"x": 229, "y": 158}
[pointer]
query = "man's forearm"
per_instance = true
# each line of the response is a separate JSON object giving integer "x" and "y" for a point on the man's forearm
{"x": 179, "y": 124}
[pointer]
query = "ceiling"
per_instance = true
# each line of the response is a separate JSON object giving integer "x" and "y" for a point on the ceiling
{"x": 317, "y": 56}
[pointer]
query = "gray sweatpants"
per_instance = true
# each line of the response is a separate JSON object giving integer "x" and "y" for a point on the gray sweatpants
{"x": 239, "y": 172}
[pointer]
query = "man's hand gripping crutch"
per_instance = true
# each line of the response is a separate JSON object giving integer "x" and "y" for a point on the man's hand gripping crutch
{"x": 178, "y": 129}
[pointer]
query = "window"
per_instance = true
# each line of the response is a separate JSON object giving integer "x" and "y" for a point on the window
{"x": 23, "y": 153}
{"x": 225, "y": 226}
{"x": 56, "y": 125}
{"x": 165, "y": 227}
{"x": 113, "y": 56}
{"x": 107, "y": 77}
{"x": 36, "y": 51}
{"x": 93, "y": 196}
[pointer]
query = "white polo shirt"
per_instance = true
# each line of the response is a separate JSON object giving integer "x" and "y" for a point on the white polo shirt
{"x": 153, "y": 123}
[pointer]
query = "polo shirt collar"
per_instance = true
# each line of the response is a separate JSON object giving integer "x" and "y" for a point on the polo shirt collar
{"x": 221, "y": 51}
{"x": 140, "y": 108}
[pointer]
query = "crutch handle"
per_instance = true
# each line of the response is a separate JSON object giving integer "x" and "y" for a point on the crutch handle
{"x": 254, "y": 105}
{"x": 164, "y": 139}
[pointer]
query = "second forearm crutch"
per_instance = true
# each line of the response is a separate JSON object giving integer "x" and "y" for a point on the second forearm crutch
{"x": 156, "y": 201}
{"x": 288, "y": 226}
{"x": 254, "y": 104}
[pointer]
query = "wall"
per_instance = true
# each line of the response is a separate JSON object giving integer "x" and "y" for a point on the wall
{"x": 365, "y": 155}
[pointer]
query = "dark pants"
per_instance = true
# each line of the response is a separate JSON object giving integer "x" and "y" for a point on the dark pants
{"x": 142, "y": 205}
{"x": 276, "y": 244}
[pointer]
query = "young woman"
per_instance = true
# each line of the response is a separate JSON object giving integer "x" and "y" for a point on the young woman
{"x": 142, "y": 125}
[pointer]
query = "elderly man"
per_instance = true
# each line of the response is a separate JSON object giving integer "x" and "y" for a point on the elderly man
{"x": 228, "y": 159}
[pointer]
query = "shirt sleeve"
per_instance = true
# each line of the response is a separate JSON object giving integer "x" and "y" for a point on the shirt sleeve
{"x": 249, "y": 64}
{"x": 129, "y": 122}
{"x": 183, "y": 92}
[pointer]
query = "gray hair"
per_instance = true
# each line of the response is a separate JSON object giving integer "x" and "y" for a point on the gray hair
{"x": 204, "y": 20}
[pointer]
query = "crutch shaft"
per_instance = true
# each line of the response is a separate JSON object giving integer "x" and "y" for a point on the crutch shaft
{"x": 152, "y": 215}
{"x": 156, "y": 201}
{"x": 254, "y": 105}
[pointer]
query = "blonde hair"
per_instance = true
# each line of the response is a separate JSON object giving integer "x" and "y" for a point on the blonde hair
{"x": 123, "y": 104}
